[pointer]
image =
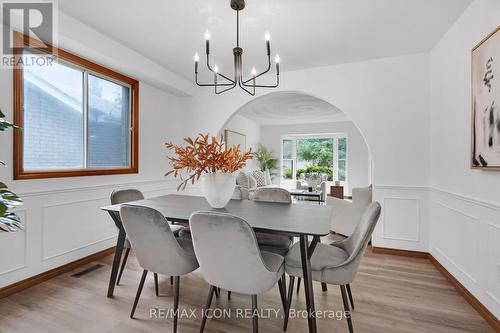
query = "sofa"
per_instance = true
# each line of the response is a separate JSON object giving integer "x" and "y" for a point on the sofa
{"x": 247, "y": 182}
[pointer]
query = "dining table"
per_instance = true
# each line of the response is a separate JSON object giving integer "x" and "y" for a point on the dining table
{"x": 306, "y": 222}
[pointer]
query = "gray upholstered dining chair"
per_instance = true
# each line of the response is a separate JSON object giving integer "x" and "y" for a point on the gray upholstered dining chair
{"x": 336, "y": 263}
{"x": 128, "y": 195}
{"x": 271, "y": 242}
{"x": 236, "y": 264}
{"x": 157, "y": 249}
{"x": 272, "y": 194}
{"x": 348, "y": 214}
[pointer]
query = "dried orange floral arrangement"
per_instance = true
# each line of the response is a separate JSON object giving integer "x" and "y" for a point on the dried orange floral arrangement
{"x": 205, "y": 154}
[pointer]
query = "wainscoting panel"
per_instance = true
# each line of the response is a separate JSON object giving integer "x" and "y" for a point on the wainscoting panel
{"x": 401, "y": 219}
{"x": 13, "y": 247}
{"x": 493, "y": 266}
{"x": 72, "y": 225}
{"x": 64, "y": 225}
{"x": 457, "y": 239}
{"x": 465, "y": 239}
{"x": 403, "y": 223}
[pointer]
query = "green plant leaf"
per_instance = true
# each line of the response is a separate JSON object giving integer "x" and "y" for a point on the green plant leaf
{"x": 9, "y": 221}
{"x": 3, "y": 208}
{"x": 4, "y": 124}
{"x": 266, "y": 159}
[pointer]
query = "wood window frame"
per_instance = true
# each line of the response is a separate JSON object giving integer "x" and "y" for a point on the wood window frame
{"x": 57, "y": 53}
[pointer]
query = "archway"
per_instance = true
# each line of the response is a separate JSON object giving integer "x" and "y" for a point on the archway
{"x": 298, "y": 115}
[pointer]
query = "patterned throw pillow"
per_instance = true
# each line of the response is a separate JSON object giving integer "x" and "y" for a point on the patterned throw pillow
{"x": 259, "y": 177}
{"x": 252, "y": 183}
{"x": 242, "y": 180}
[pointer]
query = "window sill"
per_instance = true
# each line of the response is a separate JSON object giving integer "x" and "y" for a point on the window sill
{"x": 24, "y": 175}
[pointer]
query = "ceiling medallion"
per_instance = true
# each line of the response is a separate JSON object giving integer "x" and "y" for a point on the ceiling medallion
{"x": 227, "y": 83}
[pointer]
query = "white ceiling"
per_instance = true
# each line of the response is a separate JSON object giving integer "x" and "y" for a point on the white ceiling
{"x": 306, "y": 33}
{"x": 286, "y": 108}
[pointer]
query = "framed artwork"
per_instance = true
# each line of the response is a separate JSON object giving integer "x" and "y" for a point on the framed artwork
{"x": 234, "y": 138}
{"x": 485, "y": 152}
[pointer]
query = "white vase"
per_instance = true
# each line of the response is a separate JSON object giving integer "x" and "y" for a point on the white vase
{"x": 218, "y": 188}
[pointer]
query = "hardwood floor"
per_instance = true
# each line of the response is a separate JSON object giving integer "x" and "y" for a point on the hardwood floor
{"x": 391, "y": 294}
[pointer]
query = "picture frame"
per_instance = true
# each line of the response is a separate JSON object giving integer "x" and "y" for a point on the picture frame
{"x": 485, "y": 103}
{"x": 232, "y": 138}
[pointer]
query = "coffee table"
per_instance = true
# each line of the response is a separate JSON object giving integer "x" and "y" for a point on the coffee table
{"x": 305, "y": 193}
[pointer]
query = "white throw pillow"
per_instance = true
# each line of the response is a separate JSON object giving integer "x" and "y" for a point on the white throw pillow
{"x": 242, "y": 180}
{"x": 252, "y": 183}
{"x": 259, "y": 177}
{"x": 267, "y": 177}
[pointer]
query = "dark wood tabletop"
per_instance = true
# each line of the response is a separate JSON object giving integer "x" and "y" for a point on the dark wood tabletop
{"x": 293, "y": 219}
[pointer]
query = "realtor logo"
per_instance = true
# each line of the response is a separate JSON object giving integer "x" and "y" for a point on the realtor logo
{"x": 35, "y": 19}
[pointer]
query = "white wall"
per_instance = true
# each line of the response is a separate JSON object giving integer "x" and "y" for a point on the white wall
{"x": 465, "y": 203}
{"x": 412, "y": 110}
{"x": 388, "y": 100}
{"x": 62, "y": 216}
{"x": 357, "y": 151}
{"x": 251, "y": 130}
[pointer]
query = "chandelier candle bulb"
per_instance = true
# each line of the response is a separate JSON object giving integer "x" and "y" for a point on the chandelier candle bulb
{"x": 268, "y": 43}
{"x": 196, "y": 60}
{"x": 207, "y": 42}
{"x": 254, "y": 71}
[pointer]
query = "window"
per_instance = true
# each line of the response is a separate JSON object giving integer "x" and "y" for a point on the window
{"x": 342, "y": 159}
{"x": 287, "y": 159}
{"x": 78, "y": 119}
{"x": 325, "y": 154}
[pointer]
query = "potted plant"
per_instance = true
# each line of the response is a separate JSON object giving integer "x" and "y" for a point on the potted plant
{"x": 209, "y": 159}
{"x": 9, "y": 221}
{"x": 266, "y": 159}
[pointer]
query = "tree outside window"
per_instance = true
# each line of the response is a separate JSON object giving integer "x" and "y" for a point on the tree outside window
{"x": 322, "y": 155}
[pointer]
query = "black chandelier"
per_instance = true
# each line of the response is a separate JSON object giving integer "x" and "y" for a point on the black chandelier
{"x": 248, "y": 85}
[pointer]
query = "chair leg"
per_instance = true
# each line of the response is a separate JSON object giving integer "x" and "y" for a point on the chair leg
{"x": 207, "y": 306}
{"x": 176, "y": 300}
{"x": 289, "y": 302}
{"x": 255, "y": 317}
{"x": 324, "y": 286}
{"x": 171, "y": 280}
{"x": 298, "y": 285}
{"x": 282, "y": 290}
{"x": 283, "y": 280}
{"x": 349, "y": 293}
{"x": 122, "y": 267}
{"x": 229, "y": 295}
{"x": 346, "y": 308}
{"x": 217, "y": 293}
{"x": 157, "y": 292}
{"x": 139, "y": 290}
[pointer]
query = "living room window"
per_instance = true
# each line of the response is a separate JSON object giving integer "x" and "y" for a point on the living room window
{"x": 78, "y": 118}
{"x": 324, "y": 154}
